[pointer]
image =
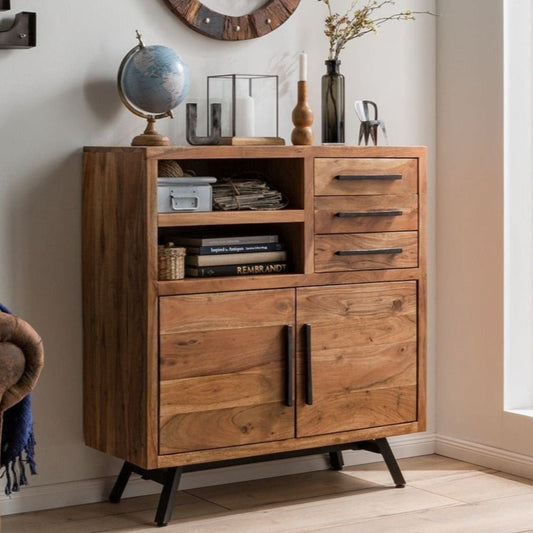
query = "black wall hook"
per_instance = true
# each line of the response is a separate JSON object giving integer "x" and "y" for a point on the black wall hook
{"x": 23, "y": 32}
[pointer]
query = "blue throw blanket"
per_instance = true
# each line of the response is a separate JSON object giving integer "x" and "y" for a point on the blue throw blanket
{"x": 17, "y": 440}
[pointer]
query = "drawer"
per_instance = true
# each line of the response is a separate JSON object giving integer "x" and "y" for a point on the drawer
{"x": 364, "y": 214}
{"x": 365, "y": 176}
{"x": 366, "y": 251}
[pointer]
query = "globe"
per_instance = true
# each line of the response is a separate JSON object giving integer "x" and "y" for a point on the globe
{"x": 152, "y": 81}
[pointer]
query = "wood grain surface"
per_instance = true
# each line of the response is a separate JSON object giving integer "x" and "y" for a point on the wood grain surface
{"x": 223, "y": 372}
{"x": 364, "y": 356}
{"x": 327, "y": 248}
{"x": 194, "y": 370}
{"x": 327, "y": 170}
{"x": 399, "y": 213}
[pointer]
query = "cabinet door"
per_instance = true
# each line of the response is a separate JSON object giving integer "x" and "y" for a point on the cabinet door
{"x": 357, "y": 356}
{"x": 225, "y": 369}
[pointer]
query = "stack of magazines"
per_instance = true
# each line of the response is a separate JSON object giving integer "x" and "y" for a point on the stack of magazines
{"x": 233, "y": 256}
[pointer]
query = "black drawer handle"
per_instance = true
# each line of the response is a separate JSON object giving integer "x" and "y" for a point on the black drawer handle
{"x": 373, "y": 251}
{"x": 289, "y": 389}
{"x": 359, "y": 177}
{"x": 390, "y": 213}
{"x": 308, "y": 366}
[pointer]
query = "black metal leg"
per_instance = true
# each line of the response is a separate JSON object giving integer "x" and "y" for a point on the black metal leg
{"x": 120, "y": 483}
{"x": 382, "y": 447}
{"x": 336, "y": 460}
{"x": 170, "y": 477}
{"x": 168, "y": 496}
{"x": 391, "y": 462}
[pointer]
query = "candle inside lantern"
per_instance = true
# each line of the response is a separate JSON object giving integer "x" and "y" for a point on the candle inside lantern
{"x": 244, "y": 117}
{"x": 303, "y": 66}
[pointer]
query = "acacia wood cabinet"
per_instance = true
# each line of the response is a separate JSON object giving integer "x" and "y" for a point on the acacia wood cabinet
{"x": 201, "y": 370}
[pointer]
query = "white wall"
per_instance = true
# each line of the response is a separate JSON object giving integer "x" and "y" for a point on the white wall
{"x": 61, "y": 96}
{"x": 518, "y": 388}
{"x": 470, "y": 240}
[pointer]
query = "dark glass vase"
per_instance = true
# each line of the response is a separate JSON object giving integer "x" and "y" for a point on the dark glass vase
{"x": 333, "y": 103}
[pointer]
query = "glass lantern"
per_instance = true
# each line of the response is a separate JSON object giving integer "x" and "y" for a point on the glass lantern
{"x": 250, "y": 107}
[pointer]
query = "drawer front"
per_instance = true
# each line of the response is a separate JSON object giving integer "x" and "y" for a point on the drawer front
{"x": 365, "y": 176}
{"x": 366, "y": 251}
{"x": 359, "y": 214}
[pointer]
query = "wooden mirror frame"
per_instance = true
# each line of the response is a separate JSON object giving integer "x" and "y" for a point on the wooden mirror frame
{"x": 216, "y": 25}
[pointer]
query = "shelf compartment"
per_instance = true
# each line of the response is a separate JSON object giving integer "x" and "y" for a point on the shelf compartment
{"x": 291, "y": 235}
{"x": 285, "y": 175}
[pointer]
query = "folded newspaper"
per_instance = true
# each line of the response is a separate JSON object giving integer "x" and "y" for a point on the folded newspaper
{"x": 231, "y": 194}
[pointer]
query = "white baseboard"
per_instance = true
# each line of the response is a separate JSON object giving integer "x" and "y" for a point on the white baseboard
{"x": 488, "y": 456}
{"x": 35, "y": 498}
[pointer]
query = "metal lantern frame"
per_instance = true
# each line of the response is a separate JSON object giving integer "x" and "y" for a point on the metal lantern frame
{"x": 234, "y": 80}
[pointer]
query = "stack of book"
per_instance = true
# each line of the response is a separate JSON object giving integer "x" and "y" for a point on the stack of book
{"x": 233, "y": 256}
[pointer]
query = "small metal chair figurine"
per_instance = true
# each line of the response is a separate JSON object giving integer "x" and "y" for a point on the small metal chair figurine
{"x": 369, "y": 127}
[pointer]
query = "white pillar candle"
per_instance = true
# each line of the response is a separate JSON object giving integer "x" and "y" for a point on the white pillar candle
{"x": 303, "y": 66}
{"x": 244, "y": 117}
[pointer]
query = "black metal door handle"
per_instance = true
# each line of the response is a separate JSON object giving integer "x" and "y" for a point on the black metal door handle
{"x": 308, "y": 366}
{"x": 374, "y": 251}
{"x": 359, "y": 177}
{"x": 289, "y": 386}
{"x": 388, "y": 213}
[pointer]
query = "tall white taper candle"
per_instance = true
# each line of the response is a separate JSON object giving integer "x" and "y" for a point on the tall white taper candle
{"x": 303, "y": 66}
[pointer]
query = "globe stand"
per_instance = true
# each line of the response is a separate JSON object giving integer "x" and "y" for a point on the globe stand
{"x": 146, "y": 109}
{"x": 150, "y": 137}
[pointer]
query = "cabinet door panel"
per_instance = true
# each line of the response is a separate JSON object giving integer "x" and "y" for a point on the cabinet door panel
{"x": 363, "y": 356}
{"x": 223, "y": 378}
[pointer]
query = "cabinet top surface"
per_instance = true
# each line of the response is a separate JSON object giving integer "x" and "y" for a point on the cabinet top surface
{"x": 173, "y": 152}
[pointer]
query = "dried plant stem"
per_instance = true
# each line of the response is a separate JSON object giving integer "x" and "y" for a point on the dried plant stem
{"x": 358, "y": 21}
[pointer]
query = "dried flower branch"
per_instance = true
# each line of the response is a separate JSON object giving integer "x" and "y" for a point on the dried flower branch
{"x": 356, "y": 22}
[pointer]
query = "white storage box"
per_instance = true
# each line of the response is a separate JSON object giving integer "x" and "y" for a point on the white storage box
{"x": 175, "y": 195}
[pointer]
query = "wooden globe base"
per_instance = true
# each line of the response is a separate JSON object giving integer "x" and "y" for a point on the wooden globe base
{"x": 150, "y": 137}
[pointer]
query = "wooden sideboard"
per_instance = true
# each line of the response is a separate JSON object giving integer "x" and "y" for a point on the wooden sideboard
{"x": 199, "y": 371}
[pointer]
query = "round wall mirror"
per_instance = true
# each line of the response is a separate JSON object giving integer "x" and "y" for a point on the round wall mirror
{"x": 233, "y": 20}
{"x": 234, "y": 8}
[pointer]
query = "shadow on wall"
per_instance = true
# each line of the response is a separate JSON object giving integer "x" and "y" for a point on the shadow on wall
{"x": 285, "y": 66}
{"x": 45, "y": 228}
{"x": 103, "y": 99}
{"x": 114, "y": 125}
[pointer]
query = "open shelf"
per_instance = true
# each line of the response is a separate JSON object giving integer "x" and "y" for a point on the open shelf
{"x": 169, "y": 220}
{"x": 290, "y": 230}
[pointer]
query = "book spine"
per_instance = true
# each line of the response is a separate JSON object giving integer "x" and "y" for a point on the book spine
{"x": 235, "y": 259}
{"x": 235, "y": 249}
{"x": 225, "y": 241}
{"x": 251, "y": 269}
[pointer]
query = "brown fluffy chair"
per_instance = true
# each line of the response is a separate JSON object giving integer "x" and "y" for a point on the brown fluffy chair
{"x": 21, "y": 360}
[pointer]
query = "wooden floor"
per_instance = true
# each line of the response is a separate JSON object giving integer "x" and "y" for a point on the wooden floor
{"x": 442, "y": 495}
